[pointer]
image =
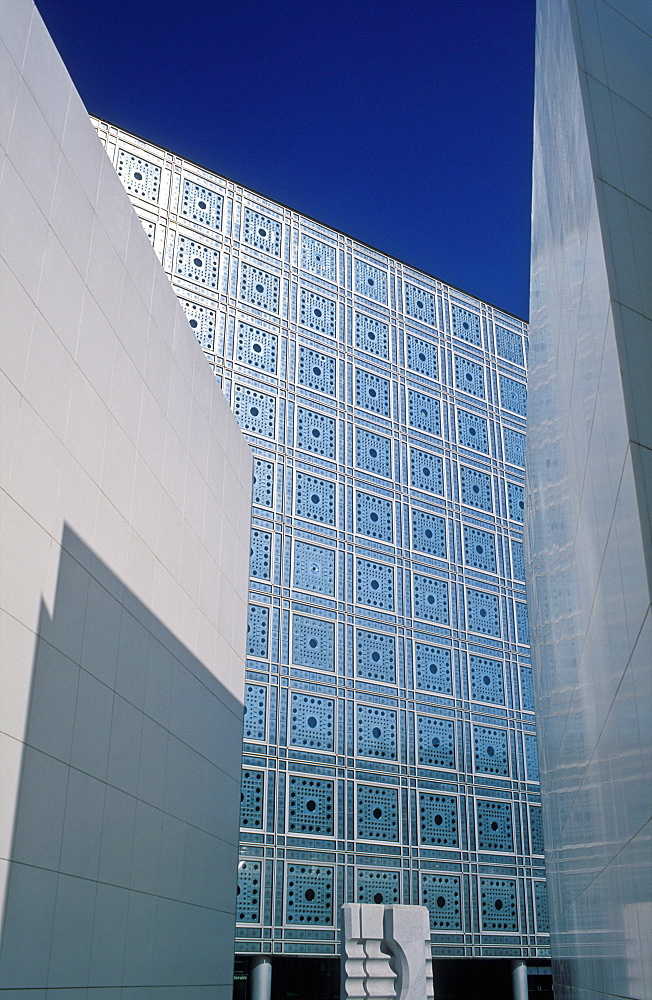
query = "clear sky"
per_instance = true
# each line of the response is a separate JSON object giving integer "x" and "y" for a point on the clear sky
{"x": 406, "y": 124}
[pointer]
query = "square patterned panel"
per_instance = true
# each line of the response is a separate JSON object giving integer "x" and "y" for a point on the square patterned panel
{"x": 472, "y": 432}
{"x": 430, "y": 599}
{"x": 313, "y": 642}
{"x": 374, "y": 584}
{"x": 426, "y": 472}
{"x": 479, "y": 549}
{"x": 514, "y": 447}
{"x": 433, "y": 668}
{"x": 522, "y": 623}
{"x": 536, "y": 829}
{"x": 377, "y": 886}
{"x": 260, "y": 561}
{"x": 498, "y": 906}
{"x": 466, "y": 325}
{"x": 527, "y": 690}
{"x": 314, "y": 498}
{"x": 310, "y": 805}
{"x": 254, "y": 411}
{"x": 258, "y": 348}
{"x": 429, "y": 533}
{"x": 482, "y": 612}
{"x": 513, "y": 395}
{"x": 419, "y": 304}
{"x": 263, "y": 483}
{"x": 541, "y": 907}
{"x": 375, "y": 656}
{"x": 372, "y": 392}
{"x": 486, "y": 680}
{"x": 438, "y": 819}
{"x": 516, "y": 501}
{"x": 518, "y": 561}
{"x": 469, "y": 377}
{"x": 509, "y": 345}
{"x": 373, "y": 453}
{"x": 257, "y": 631}
{"x": 371, "y": 335}
{"x": 251, "y": 799}
{"x": 202, "y": 320}
{"x": 377, "y": 813}
{"x": 531, "y": 757}
{"x": 315, "y": 432}
{"x": 317, "y": 257}
{"x": 424, "y": 412}
{"x": 317, "y": 312}
{"x": 312, "y": 721}
{"x": 261, "y": 232}
{"x": 141, "y": 178}
{"x": 494, "y": 826}
{"x": 373, "y": 516}
{"x": 255, "y": 712}
{"x": 309, "y": 892}
{"x": 476, "y": 488}
{"x": 248, "y": 892}
{"x": 196, "y": 262}
{"x": 201, "y": 205}
{"x": 377, "y": 734}
{"x": 441, "y": 894}
{"x": 422, "y": 357}
{"x": 490, "y": 750}
{"x": 259, "y": 288}
{"x": 316, "y": 371}
{"x": 435, "y": 742}
{"x": 370, "y": 281}
{"x": 314, "y": 568}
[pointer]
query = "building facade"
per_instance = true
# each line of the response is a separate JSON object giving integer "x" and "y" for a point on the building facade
{"x": 590, "y": 486}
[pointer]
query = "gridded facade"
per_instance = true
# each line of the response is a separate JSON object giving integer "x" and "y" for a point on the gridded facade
{"x": 389, "y": 750}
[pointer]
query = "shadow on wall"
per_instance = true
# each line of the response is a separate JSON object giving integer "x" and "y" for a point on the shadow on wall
{"x": 123, "y": 865}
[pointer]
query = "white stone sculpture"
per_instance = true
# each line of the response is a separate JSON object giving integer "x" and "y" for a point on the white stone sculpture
{"x": 386, "y": 952}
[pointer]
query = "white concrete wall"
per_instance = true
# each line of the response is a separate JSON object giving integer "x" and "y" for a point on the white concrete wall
{"x": 125, "y": 541}
{"x": 590, "y": 486}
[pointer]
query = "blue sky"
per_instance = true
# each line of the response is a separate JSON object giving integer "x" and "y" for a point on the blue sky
{"x": 407, "y": 125}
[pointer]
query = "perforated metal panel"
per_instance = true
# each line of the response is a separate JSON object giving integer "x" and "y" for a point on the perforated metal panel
{"x": 522, "y": 624}
{"x": 536, "y": 830}
{"x": 518, "y": 562}
{"x": 314, "y": 498}
{"x": 472, "y": 431}
{"x": 476, "y": 488}
{"x": 263, "y": 483}
{"x": 514, "y": 447}
{"x": 426, "y": 472}
{"x": 494, "y": 827}
{"x": 371, "y": 335}
{"x": 313, "y": 642}
{"x": 482, "y": 612}
{"x": 257, "y": 630}
{"x": 370, "y": 281}
{"x": 261, "y": 232}
{"x": 441, "y": 894}
{"x": 255, "y": 712}
{"x": 197, "y": 262}
{"x": 372, "y": 392}
{"x": 422, "y": 357}
{"x": 150, "y": 229}
{"x": 202, "y": 321}
{"x": 309, "y": 894}
{"x": 317, "y": 257}
{"x": 317, "y": 312}
{"x": 469, "y": 377}
{"x": 260, "y": 562}
{"x": 141, "y": 178}
{"x": 373, "y": 516}
{"x": 419, "y": 304}
{"x": 377, "y": 732}
{"x": 498, "y": 905}
{"x": 433, "y": 668}
{"x": 527, "y": 692}
{"x": 516, "y": 501}
{"x": 423, "y": 412}
{"x": 509, "y": 345}
{"x": 438, "y": 819}
{"x": 248, "y": 892}
{"x": 479, "y": 549}
{"x": 251, "y": 799}
{"x": 435, "y": 741}
{"x": 373, "y": 453}
{"x": 374, "y": 886}
{"x": 201, "y": 205}
{"x": 487, "y": 680}
{"x": 258, "y": 348}
{"x": 429, "y": 533}
{"x": 316, "y": 371}
{"x": 315, "y": 432}
{"x": 310, "y": 805}
{"x": 531, "y": 757}
{"x": 466, "y": 325}
{"x": 312, "y": 721}
{"x": 377, "y": 813}
{"x": 375, "y": 655}
{"x": 374, "y": 584}
{"x": 314, "y": 568}
{"x": 430, "y": 599}
{"x": 254, "y": 411}
{"x": 490, "y": 750}
{"x": 541, "y": 907}
{"x": 513, "y": 395}
{"x": 259, "y": 288}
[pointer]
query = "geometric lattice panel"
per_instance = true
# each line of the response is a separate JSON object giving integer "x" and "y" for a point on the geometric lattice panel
{"x": 197, "y": 262}
{"x": 441, "y": 894}
{"x": 527, "y": 690}
{"x": 514, "y": 444}
{"x": 259, "y": 288}
{"x": 374, "y": 886}
{"x": 513, "y": 395}
{"x": 310, "y": 805}
{"x": 476, "y": 488}
{"x": 494, "y": 826}
{"x": 518, "y": 562}
{"x": 482, "y": 612}
{"x": 472, "y": 432}
{"x": 202, "y": 205}
{"x": 373, "y": 516}
{"x": 487, "y": 680}
{"x": 419, "y": 304}
{"x": 422, "y": 357}
{"x": 429, "y": 533}
{"x": 375, "y": 656}
{"x": 317, "y": 257}
{"x": 423, "y": 412}
{"x": 490, "y": 750}
{"x": 313, "y": 642}
{"x": 371, "y": 335}
{"x": 522, "y": 625}
{"x": 254, "y": 411}
{"x": 141, "y": 178}
{"x": 251, "y": 799}
{"x": 436, "y": 741}
{"x": 374, "y": 584}
{"x": 316, "y": 312}
{"x": 438, "y": 819}
{"x": 469, "y": 377}
{"x": 312, "y": 721}
{"x": 377, "y": 735}
{"x": 370, "y": 281}
{"x": 255, "y": 712}
{"x": 466, "y": 325}
{"x": 377, "y": 812}
{"x": 479, "y": 549}
{"x": 372, "y": 392}
{"x": 516, "y": 501}
{"x": 433, "y": 668}
{"x": 314, "y": 498}
{"x": 531, "y": 757}
{"x": 248, "y": 893}
{"x": 536, "y": 830}
{"x": 202, "y": 321}
{"x": 257, "y": 631}
{"x": 308, "y": 894}
{"x": 426, "y": 472}
{"x": 314, "y": 568}
{"x": 261, "y": 232}
{"x": 541, "y": 907}
{"x": 263, "y": 483}
{"x": 261, "y": 554}
{"x": 373, "y": 453}
{"x": 256, "y": 347}
{"x": 315, "y": 432}
{"x": 509, "y": 346}
{"x": 498, "y": 904}
{"x": 316, "y": 371}
{"x": 431, "y": 599}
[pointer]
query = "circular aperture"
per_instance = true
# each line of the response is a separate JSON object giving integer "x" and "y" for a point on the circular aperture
{"x": 311, "y": 721}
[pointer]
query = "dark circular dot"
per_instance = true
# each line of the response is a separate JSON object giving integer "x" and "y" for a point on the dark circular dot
{"x": 198, "y": 262}
{"x": 377, "y": 813}
{"x": 521, "y": 504}
{"x": 237, "y": 892}
{"x": 375, "y": 656}
{"x": 465, "y": 325}
{"x": 441, "y": 902}
{"x": 317, "y": 256}
{"x": 371, "y": 335}
{"x": 483, "y": 612}
{"x": 428, "y": 532}
{"x": 378, "y": 897}
{"x": 479, "y": 549}
{"x": 260, "y": 288}
{"x": 436, "y": 742}
{"x": 375, "y": 732}
{"x": 311, "y": 805}
{"x": 439, "y": 819}
{"x": 373, "y": 516}
{"x": 311, "y": 721}
{"x": 472, "y": 431}
{"x": 375, "y": 585}
{"x": 262, "y": 232}
{"x": 373, "y": 453}
{"x": 317, "y": 312}
{"x": 422, "y": 356}
{"x": 433, "y": 668}
{"x": 315, "y": 498}
{"x": 498, "y": 904}
{"x": 468, "y": 377}
{"x": 373, "y": 393}
{"x": 201, "y": 204}
{"x": 475, "y": 488}
{"x": 194, "y": 324}
{"x": 316, "y": 370}
{"x": 256, "y": 348}
{"x": 486, "y": 679}
{"x": 309, "y": 894}
{"x": 138, "y": 175}
{"x": 419, "y": 304}
{"x": 316, "y": 432}
{"x": 431, "y": 598}
{"x": 254, "y": 411}
{"x": 426, "y": 470}
{"x": 494, "y": 825}
{"x": 490, "y": 752}
{"x": 312, "y": 643}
